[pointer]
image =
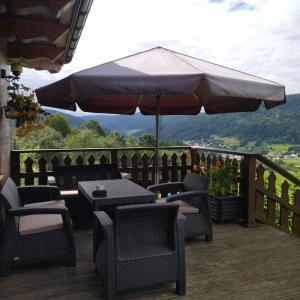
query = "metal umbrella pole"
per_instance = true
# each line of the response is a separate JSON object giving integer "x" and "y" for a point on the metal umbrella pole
{"x": 157, "y": 139}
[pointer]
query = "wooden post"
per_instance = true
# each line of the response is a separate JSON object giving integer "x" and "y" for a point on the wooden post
{"x": 174, "y": 176}
{"x": 165, "y": 169}
{"x": 123, "y": 160}
{"x": 15, "y": 167}
{"x": 135, "y": 166}
{"x": 42, "y": 170}
{"x": 193, "y": 159}
{"x": 29, "y": 178}
{"x": 183, "y": 166}
{"x": 114, "y": 157}
{"x": 249, "y": 168}
{"x": 296, "y": 217}
{"x": 259, "y": 196}
{"x": 271, "y": 206}
{"x": 284, "y": 212}
{"x": 145, "y": 173}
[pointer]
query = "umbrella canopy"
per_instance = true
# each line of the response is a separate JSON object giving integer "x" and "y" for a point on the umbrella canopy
{"x": 161, "y": 81}
{"x": 186, "y": 84}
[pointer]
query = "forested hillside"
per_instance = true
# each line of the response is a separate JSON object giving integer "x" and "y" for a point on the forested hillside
{"x": 278, "y": 125}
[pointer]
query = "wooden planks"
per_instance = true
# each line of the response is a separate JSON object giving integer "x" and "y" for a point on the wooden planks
{"x": 237, "y": 265}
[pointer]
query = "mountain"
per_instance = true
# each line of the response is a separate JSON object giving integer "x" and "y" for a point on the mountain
{"x": 280, "y": 124}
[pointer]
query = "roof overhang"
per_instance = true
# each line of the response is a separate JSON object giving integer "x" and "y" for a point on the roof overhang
{"x": 41, "y": 34}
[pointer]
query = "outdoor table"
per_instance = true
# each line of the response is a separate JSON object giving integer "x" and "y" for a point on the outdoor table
{"x": 119, "y": 192}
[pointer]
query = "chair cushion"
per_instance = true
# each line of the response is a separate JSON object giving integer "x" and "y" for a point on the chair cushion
{"x": 69, "y": 193}
{"x": 184, "y": 207}
{"x": 32, "y": 224}
{"x": 60, "y": 203}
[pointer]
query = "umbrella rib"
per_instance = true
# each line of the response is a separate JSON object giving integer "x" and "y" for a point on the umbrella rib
{"x": 208, "y": 62}
{"x": 191, "y": 65}
{"x": 140, "y": 99}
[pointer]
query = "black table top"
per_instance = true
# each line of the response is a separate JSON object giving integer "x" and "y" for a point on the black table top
{"x": 119, "y": 192}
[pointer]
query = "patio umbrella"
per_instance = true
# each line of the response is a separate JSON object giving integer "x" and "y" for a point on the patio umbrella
{"x": 161, "y": 82}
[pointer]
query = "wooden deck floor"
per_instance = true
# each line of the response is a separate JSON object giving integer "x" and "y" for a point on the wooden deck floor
{"x": 254, "y": 263}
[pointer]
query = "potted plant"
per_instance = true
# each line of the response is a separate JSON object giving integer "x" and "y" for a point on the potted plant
{"x": 24, "y": 109}
{"x": 225, "y": 205}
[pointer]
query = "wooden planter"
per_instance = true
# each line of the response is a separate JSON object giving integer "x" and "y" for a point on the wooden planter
{"x": 227, "y": 208}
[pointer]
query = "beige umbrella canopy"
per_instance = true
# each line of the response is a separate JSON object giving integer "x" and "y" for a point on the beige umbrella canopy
{"x": 161, "y": 81}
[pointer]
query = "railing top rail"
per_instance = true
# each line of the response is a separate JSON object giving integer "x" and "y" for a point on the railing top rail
{"x": 218, "y": 150}
{"x": 277, "y": 169}
{"x": 100, "y": 149}
{"x": 207, "y": 149}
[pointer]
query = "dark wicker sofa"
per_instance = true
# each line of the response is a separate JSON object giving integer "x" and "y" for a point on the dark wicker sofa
{"x": 142, "y": 247}
{"x": 36, "y": 227}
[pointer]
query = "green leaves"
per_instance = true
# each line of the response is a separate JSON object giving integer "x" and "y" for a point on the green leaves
{"x": 24, "y": 109}
{"x": 221, "y": 179}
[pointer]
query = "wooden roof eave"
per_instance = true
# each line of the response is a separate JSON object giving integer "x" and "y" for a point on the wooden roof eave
{"x": 46, "y": 42}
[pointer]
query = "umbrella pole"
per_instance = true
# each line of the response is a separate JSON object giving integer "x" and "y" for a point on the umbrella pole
{"x": 157, "y": 139}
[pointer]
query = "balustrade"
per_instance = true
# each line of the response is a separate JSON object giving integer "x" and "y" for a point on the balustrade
{"x": 254, "y": 175}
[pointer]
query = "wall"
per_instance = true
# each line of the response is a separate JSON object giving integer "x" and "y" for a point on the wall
{"x": 4, "y": 123}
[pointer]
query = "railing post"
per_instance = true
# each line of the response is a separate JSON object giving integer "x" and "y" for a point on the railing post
{"x": 193, "y": 159}
{"x": 15, "y": 167}
{"x": 114, "y": 157}
{"x": 249, "y": 169}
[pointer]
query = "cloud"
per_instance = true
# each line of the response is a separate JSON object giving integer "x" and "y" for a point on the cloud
{"x": 240, "y": 5}
{"x": 263, "y": 42}
{"x": 217, "y": 1}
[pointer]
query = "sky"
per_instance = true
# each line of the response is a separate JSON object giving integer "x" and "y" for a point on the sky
{"x": 260, "y": 37}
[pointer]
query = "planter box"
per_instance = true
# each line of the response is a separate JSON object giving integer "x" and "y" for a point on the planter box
{"x": 227, "y": 208}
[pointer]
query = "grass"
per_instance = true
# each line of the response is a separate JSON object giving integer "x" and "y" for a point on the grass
{"x": 278, "y": 148}
{"x": 230, "y": 141}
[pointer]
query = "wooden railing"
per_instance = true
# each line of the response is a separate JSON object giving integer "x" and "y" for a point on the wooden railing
{"x": 277, "y": 204}
{"x": 261, "y": 201}
{"x": 34, "y": 166}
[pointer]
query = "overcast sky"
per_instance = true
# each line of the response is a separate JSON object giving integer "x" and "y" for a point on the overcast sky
{"x": 261, "y": 37}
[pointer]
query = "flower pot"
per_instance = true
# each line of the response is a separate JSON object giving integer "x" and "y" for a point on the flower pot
{"x": 226, "y": 208}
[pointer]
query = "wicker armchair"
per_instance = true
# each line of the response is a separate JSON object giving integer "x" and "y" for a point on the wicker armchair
{"x": 34, "y": 232}
{"x": 143, "y": 247}
{"x": 192, "y": 197}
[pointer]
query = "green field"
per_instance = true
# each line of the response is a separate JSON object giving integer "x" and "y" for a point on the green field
{"x": 230, "y": 141}
{"x": 292, "y": 165}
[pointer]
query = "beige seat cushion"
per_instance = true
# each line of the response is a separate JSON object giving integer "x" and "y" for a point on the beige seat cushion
{"x": 68, "y": 193}
{"x": 184, "y": 207}
{"x": 32, "y": 224}
{"x": 60, "y": 203}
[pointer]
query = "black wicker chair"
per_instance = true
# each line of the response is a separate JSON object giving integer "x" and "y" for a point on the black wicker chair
{"x": 143, "y": 247}
{"x": 192, "y": 197}
{"x": 32, "y": 231}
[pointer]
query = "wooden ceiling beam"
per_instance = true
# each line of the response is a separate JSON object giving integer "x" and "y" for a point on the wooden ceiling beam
{"x": 32, "y": 51}
{"x": 31, "y": 30}
{"x": 25, "y": 7}
{"x": 42, "y": 64}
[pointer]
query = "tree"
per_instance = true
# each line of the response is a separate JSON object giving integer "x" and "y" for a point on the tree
{"x": 46, "y": 138}
{"x": 131, "y": 141}
{"x": 94, "y": 126}
{"x": 147, "y": 140}
{"x": 59, "y": 123}
{"x": 84, "y": 138}
{"x": 118, "y": 139}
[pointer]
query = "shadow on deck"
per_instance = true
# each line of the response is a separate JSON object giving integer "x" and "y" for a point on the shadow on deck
{"x": 254, "y": 263}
